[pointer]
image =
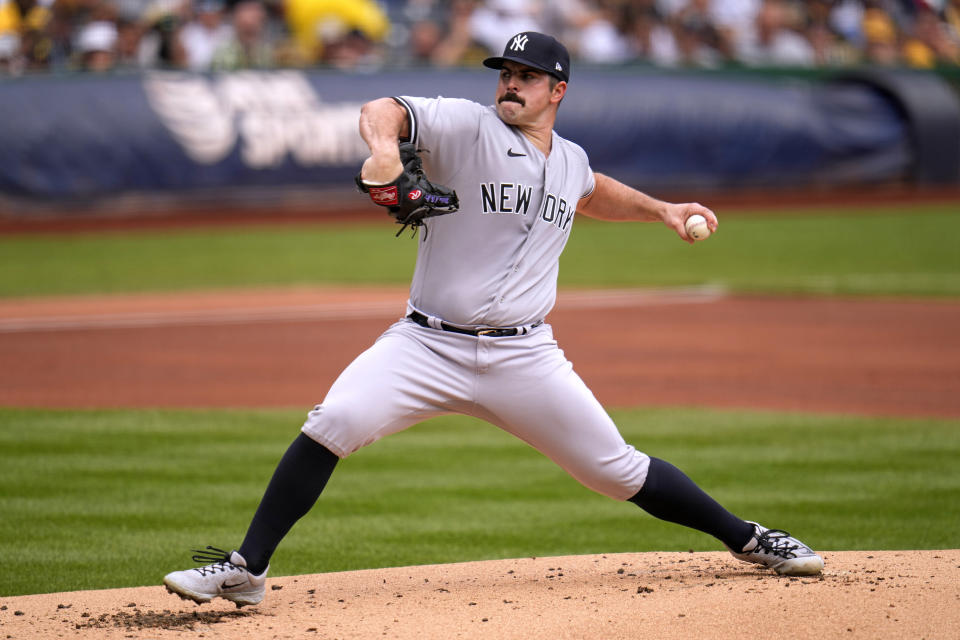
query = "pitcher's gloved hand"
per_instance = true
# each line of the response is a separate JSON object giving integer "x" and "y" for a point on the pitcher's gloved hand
{"x": 410, "y": 198}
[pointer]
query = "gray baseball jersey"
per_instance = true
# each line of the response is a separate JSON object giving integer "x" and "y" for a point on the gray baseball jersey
{"x": 495, "y": 262}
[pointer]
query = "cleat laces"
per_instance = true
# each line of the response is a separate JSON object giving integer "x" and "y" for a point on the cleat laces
{"x": 777, "y": 542}
{"x": 215, "y": 560}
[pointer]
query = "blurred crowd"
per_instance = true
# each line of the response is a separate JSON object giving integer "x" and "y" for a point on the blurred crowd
{"x": 202, "y": 35}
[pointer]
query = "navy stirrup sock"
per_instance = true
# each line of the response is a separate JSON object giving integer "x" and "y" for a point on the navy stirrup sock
{"x": 294, "y": 488}
{"x": 670, "y": 495}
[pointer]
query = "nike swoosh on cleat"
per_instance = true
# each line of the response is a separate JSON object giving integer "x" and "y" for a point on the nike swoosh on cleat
{"x": 231, "y": 586}
{"x": 511, "y": 153}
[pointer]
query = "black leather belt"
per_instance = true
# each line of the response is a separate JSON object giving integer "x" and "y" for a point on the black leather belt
{"x": 421, "y": 320}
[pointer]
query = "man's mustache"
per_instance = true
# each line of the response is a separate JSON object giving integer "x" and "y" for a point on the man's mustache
{"x": 512, "y": 97}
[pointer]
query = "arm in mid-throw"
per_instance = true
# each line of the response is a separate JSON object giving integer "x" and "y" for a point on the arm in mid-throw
{"x": 615, "y": 201}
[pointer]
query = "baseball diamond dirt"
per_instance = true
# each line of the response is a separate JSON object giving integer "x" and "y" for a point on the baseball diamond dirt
{"x": 247, "y": 349}
{"x": 861, "y": 594}
{"x": 634, "y": 347}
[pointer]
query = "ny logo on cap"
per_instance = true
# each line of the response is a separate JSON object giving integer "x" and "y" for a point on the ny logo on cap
{"x": 519, "y": 42}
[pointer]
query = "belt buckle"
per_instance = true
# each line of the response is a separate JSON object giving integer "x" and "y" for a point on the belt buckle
{"x": 487, "y": 332}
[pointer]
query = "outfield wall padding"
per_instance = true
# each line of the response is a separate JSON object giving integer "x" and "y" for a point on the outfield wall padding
{"x": 931, "y": 110}
{"x": 88, "y": 137}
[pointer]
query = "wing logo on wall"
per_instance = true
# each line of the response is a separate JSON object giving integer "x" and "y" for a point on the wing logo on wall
{"x": 272, "y": 116}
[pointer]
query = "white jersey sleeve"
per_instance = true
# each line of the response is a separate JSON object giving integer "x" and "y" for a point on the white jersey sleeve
{"x": 446, "y": 128}
{"x": 591, "y": 178}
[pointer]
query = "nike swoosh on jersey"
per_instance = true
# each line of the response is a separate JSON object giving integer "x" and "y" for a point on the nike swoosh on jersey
{"x": 511, "y": 153}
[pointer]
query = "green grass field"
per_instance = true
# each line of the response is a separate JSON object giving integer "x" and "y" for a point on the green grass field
{"x": 115, "y": 498}
{"x": 96, "y": 499}
{"x": 900, "y": 252}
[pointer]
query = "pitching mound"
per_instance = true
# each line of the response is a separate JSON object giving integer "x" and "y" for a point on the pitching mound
{"x": 861, "y": 594}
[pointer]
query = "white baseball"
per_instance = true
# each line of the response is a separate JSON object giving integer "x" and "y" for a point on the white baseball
{"x": 697, "y": 228}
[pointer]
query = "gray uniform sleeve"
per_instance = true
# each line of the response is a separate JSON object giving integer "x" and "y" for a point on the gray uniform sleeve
{"x": 582, "y": 168}
{"x": 591, "y": 183}
{"x": 446, "y": 129}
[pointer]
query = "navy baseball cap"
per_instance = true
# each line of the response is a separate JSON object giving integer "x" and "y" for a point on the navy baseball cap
{"x": 537, "y": 50}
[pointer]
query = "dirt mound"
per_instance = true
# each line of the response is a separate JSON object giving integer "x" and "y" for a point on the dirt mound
{"x": 861, "y": 594}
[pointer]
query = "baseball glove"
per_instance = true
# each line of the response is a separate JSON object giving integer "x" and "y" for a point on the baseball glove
{"x": 411, "y": 198}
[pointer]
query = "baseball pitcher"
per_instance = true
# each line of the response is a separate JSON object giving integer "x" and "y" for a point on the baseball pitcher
{"x": 493, "y": 193}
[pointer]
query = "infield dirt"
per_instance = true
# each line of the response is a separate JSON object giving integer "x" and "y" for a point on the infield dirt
{"x": 862, "y": 594}
{"x": 632, "y": 347}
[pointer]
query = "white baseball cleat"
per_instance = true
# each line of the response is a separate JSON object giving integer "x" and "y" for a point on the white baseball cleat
{"x": 227, "y": 577}
{"x": 775, "y": 549}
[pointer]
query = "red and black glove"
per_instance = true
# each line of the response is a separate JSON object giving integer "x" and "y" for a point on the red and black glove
{"x": 411, "y": 198}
